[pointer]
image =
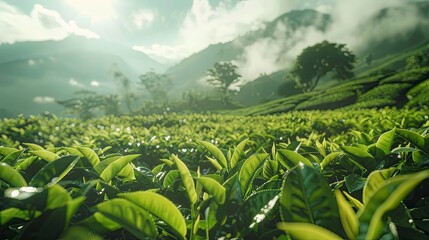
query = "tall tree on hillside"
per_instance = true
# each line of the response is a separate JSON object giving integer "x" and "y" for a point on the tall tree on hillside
{"x": 316, "y": 61}
{"x": 223, "y": 75}
{"x": 156, "y": 84}
{"x": 125, "y": 85}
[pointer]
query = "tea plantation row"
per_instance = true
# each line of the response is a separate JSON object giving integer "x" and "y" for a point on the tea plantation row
{"x": 300, "y": 175}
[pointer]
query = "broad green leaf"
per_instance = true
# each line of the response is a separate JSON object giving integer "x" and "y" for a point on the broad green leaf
{"x": 10, "y": 213}
{"x": 45, "y": 155}
{"x": 213, "y": 188}
{"x": 348, "y": 217}
{"x": 161, "y": 207}
{"x": 127, "y": 172}
{"x": 388, "y": 197}
{"x": 34, "y": 146}
{"x": 215, "y": 163}
{"x": 307, "y": 197}
{"x": 99, "y": 224}
{"x": 235, "y": 158}
{"x": 4, "y": 151}
{"x": 89, "y": 154}
{"x": 25, "y": 163}
{"x": 384, "y": 142}
{"x": 57, "y": 197}
{"x": 354, "y": 182}
{"x": 54, "y": 171}
{"x": 270, "y": 168}
{"x": 329, "y": 158}
{"x": 414, "y": 138}
{"x": 258, "y": 207}
{"x": 216, "y": 152}
{"x": 290, "y": 159}
{"x": 249, "y": 169}
{"x": 353, "y": 200}
{"x": 73, "y": 151}
{"x": 187, "y": 180}
{"x": 171, "y": 176}
{"x": 11, "y": 176}
{"x": 307, "y": 231}
{"x": 360, "y": 157}
{"x": 116, "y": 166}
{"x": 376, "y": 179}
{"x": 130, "y": 216}
{"x": 12, "y": 157}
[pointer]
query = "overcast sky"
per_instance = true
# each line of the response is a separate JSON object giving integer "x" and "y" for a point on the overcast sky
{"x": 167, "y": 30}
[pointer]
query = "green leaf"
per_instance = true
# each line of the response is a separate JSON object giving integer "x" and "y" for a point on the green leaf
{"x": 307, "y": 197}
{"x": 376, "y": 179}
{"x": 187, "y": 180}
{"x": 100, "y": 224}
{"x": 348, "y": 217}
{"x": 171, "y": 176}
{"x": 329, "y": 158}
{"x": 388, "y": 197}
{"x": 54, "y": 171}
{"x": 237, "y": 152}
{"x": 306, "y": 231}
{"x": 116, "y": 166}
{"x": 161, "y": 207}
{"x": 10, "y": 213}
{"x": 270, "y": 168}
{"x": 4, "y": 151}
{"x": 215, "y": 163}
{"x": 11, "y": 176}
{"x": 12, "y": 157}
{"x": 249, "y": 169}
{"x": 354, "y": 182}
{"x": 360, "y": 157}
{"x": 216, "y": 152}
{"x": 384, "y": 142}
{"x": 414, "y": 138}
{"x": 353, "y": 200}
{"x": 290, "y": 159}
{"x": 45, "y": 155}
{"x": 258, "y": 207}
{"x": 25, "y": 163}
{"x": 33, "y": 146}
{"x": 89, "y": 154}
{"x": 130, "y": 216}
{"x": 213, "y": 188}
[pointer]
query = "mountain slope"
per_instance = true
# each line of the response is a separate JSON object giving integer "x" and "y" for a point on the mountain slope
{"x": 33, "y": 74}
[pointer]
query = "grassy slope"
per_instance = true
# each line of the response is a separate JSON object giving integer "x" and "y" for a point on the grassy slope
{"x": 384, "y": 83}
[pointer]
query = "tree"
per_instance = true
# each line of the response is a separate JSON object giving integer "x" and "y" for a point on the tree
{"x": 316, "y": 61}
{"x": 125, "y": 85}
{"x": 156, "y": 84}
{"x": 223, "y": 75}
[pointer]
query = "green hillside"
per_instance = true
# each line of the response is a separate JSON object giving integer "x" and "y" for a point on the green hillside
{"x": 386, "y": 83}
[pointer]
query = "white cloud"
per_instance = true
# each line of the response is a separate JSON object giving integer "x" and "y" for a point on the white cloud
{"x": 74, "y": 82}
{"x": 349, "y": 25}
{"x": 43, "y": 99}
{"x": 41, "y": 24}
{"x": 205, "y": 24}
{"x": 95, "y": 83}
{"x": 144, "y": 18}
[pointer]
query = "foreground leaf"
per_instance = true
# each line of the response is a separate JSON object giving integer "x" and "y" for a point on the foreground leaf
{"x": 307, "y": 197}
{"x": 386, "y": 198}
{"x": 11, "y": 176}
{"x": 249, "y": 169}
{"x": 54, "y": 171}
{"x": 213, "y": 188}
{"x": 130, "y": 216}
{"x": 116, "y": 166}
{"x": 307, "y": 231}
{"x": 161, "y": 207}
{"x": 188, "y": 181}
{"x": 216, "y": 152}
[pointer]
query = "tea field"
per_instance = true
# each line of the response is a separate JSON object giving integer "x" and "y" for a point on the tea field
{"x": 332, "y": 174}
